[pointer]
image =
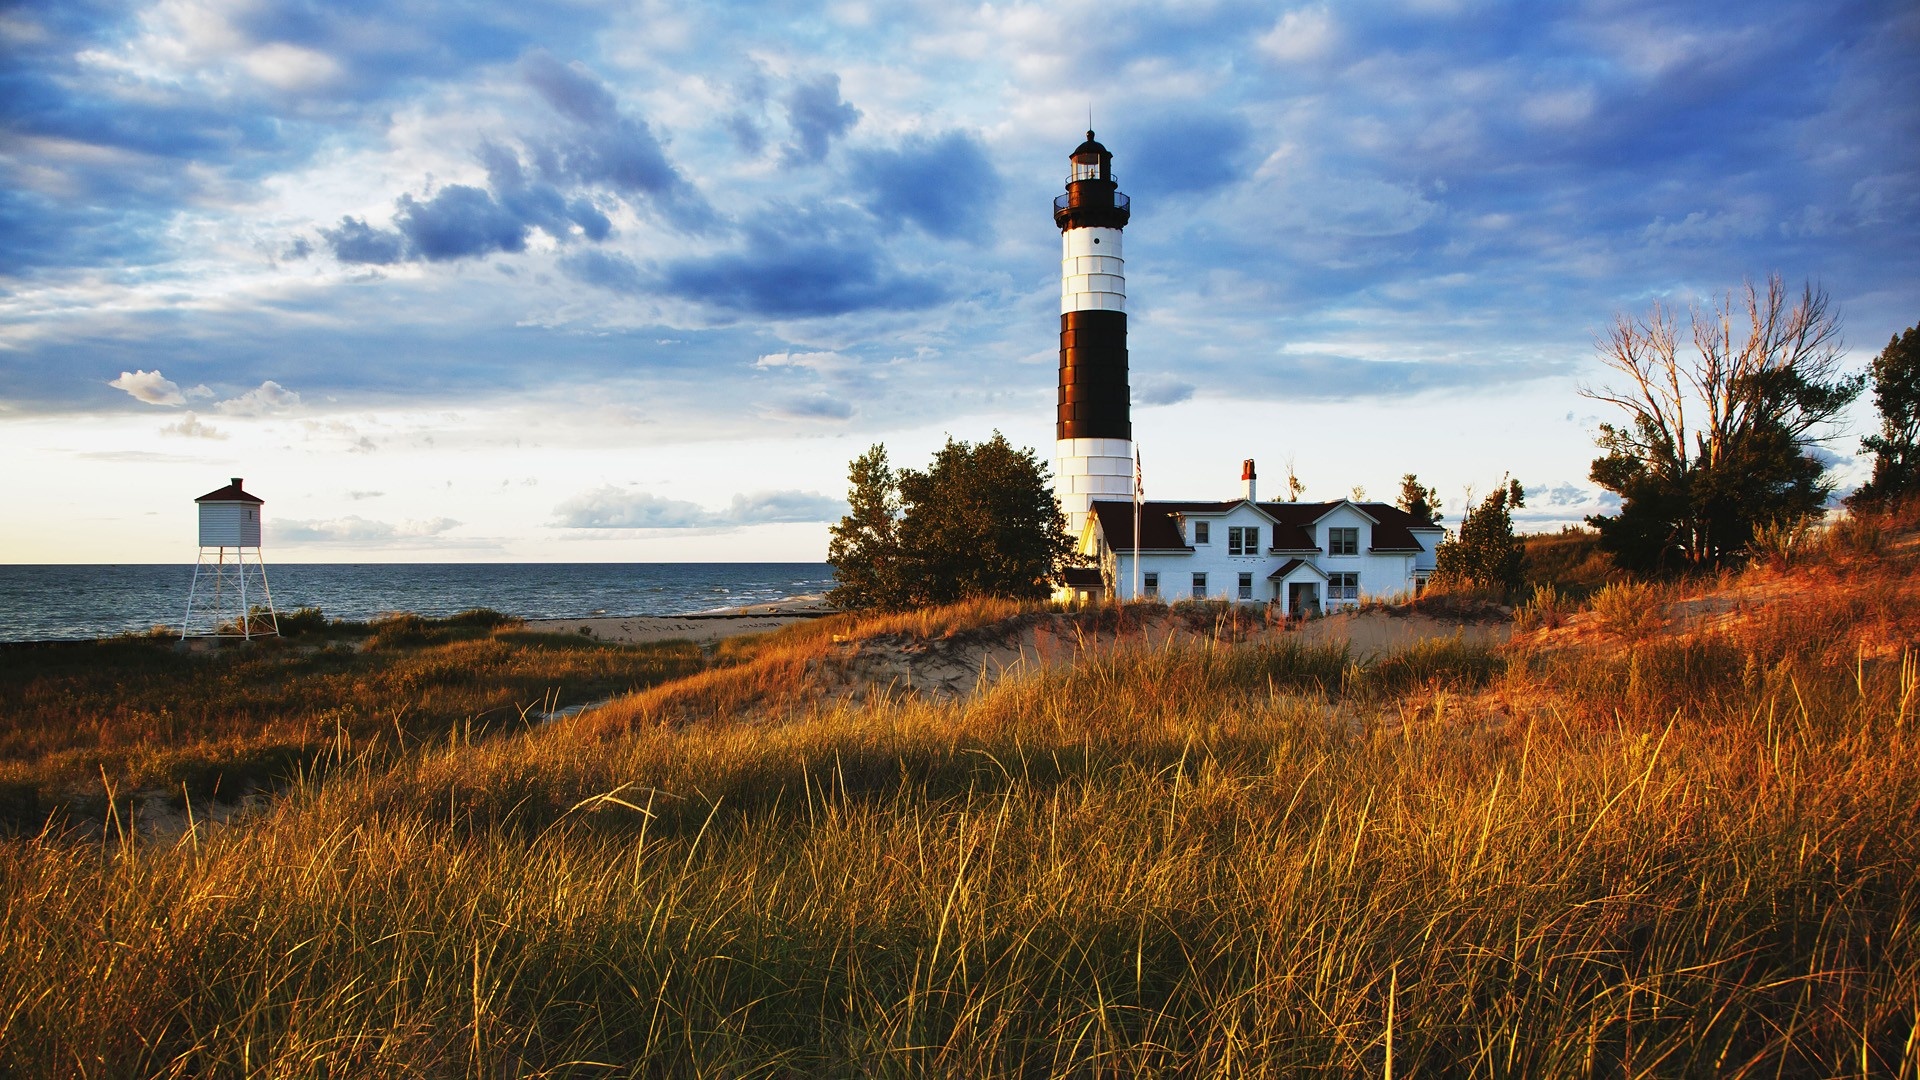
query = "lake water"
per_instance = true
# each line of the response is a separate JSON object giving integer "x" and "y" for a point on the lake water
{"x": 40, "y": 603}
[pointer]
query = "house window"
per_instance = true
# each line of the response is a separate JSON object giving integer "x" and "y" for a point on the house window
{"x": 1150, "y": 583}
{"x": 1246, "y": 586}
{"x": 1344, "y": 586}
{"x": 1343, "y": 541}
{"x": 1243, "y": 539}
{"x": 1200, "y": 532}
{"x": 1199, "y": 586}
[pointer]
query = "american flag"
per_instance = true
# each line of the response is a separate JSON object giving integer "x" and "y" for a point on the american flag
{"x": 1139, "y": 485}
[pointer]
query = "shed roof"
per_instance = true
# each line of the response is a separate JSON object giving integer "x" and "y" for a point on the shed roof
{"x": 230, "y": 494}
{"x": 1082, "y": 576}
{"x": 1288, "y": 567}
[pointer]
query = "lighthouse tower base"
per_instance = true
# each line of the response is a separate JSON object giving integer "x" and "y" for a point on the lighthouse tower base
{"x": 1089, "y": 469}
{"x": 229, "y": 597}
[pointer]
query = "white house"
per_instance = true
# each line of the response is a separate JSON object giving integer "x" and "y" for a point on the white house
{"x": 1305, "y": 558}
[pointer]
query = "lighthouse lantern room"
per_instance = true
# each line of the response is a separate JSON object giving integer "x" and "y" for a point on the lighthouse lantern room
{"x": 1093, "y": 428}
{"x": 227, "y": 587}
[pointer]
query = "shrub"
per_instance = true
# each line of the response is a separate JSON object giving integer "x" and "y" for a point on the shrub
{"x": 403, "y": 628}
{"x": 1545, "y": 609}
{"x": 1628, "y": 608}
{"x": 482, "y": 618}
{"x": 302, "y": 620}
{"x": 1780, "y": 543}
{"x": 1856, "y": 535}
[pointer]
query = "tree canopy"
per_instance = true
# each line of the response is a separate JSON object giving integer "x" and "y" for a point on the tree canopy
{"x": 1418, "y": 499}
{"x": 1486, "y": 552}
{"x": 981, "y": 520}
{"x": 1896, "y": 449}
{"x": 1719, "y": 442}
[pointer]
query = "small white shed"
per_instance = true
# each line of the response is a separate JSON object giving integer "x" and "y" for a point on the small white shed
{"x": 230, "y": 517}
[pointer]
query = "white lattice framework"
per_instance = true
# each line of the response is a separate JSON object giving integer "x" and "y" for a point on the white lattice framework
{"x": 230, "y": 597}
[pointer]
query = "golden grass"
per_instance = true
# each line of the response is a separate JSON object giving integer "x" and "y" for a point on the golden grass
{"x": 144, "y": 714}
{"x": 1693, "y": 855}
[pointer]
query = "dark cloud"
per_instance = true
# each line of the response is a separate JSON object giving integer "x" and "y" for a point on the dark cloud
{"x": 1178, "y": 154}
{"x": 615, "y": 273}
{"x": 613, "y": 508}
{"x": 1162, "y": 391}
{"x": 571, "y": 89}
{"x": 354, "y": 241}
{"x": 800, "y": 263}
{"x": 607, "y": 147}
{"x": 539, "y": 204}
{"x": 459, "y": 222}
{"x": 817, "y": 116}
{"x": 812, "y": 407}
{"x": 1297, "y": 377}
{"x": 946, "y": 184}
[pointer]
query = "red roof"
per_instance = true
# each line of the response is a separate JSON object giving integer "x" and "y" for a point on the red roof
{"x": 230, "y": 493}
{"x": 1159, "y": 531}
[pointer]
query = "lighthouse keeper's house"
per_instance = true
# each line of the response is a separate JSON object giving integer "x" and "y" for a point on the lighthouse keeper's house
{"x": 1305, "y": 558}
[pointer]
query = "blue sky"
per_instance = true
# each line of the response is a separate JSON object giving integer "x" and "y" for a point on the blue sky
{"x": 635, "y": 281}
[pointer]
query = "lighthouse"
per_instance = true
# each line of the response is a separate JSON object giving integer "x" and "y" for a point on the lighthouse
{"x": 1093, "y": 424}
{"x": 218, "y": 600}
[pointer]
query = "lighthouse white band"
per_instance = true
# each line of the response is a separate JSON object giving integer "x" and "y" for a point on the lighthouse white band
{"x": 1089, "y": 469}
{"x": 1093, "y": 273}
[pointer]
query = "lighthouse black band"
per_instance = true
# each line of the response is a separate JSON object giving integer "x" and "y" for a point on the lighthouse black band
{"x": 1093, "y": 376}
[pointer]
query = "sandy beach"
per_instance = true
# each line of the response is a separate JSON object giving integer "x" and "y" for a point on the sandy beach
{"x": 702, "y": 628}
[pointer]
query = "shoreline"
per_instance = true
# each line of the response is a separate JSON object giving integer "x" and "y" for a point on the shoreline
{"x": 701, "y": 627}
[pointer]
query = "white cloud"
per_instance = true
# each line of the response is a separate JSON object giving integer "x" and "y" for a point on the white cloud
{"x": 612, "y": 508}
{"x": 150, "y": 387}
{"x": 291, "y": 67}
{"x": 811, "y": 361}
{"x": 267, "y": 398}
{"x": 1301, "y": 34}
{"x": 191, "y": 427}
{"x": 355, "y": 529}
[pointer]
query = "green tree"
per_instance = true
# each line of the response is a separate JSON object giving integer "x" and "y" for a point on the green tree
{"x": 1719, "y": 442}
{"x": 981, "y": 520}
{"x": 1419, "y": 500}
{"x": 1486, "y": 552}
{"x": 1896, "y": 450}
{"x": 865, "y": 545}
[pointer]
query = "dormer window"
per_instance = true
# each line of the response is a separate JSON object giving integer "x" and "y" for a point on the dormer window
{"x": 1200, "y": 533}
{"x": 1343, "y": 541}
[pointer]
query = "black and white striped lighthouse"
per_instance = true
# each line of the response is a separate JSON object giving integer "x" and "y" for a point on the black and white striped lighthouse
{"x": 1093, "y": 429}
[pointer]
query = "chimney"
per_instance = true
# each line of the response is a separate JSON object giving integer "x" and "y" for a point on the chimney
{"x": 1247, "y": 490}
{"x": 236, "y": 480}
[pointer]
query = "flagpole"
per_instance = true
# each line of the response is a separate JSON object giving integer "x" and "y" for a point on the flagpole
{"x": 1139, "y": 489}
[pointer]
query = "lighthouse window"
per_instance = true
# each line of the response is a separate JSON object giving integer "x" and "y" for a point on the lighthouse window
{"x": 1200, "y": 530}
{"x": 1243, "y": 539}
{"x": 1343, "y": 541}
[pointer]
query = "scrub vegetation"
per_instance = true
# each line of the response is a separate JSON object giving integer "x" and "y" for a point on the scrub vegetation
{"x": 1673, "y": 834}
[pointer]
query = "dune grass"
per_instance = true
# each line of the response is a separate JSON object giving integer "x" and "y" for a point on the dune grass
{"x": 1694, "y": 855}
{"x": 136, "y": 712}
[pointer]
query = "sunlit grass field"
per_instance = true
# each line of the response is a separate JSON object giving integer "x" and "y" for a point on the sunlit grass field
{"x": 1665, "y": 847}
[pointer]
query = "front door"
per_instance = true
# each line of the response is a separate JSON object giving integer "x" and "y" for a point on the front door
{"x": 1303, "y": 598}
